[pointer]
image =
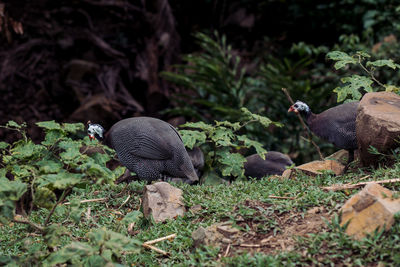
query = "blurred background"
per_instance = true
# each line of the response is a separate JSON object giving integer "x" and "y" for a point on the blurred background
{"x": 179, "y": 60}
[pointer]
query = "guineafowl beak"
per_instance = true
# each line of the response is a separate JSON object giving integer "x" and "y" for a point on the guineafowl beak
{"x": 91, "y": 137}
{"x": 293, "y": 109}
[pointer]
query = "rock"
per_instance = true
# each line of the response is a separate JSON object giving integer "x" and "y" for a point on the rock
{"x": 377, "y": 125}
{"x": 315, "y": 167}
{"x": 215, "y": 235}
{"x": 371, "y": 208}
{"x": 162, "y": 201}
{"x": 342, "y": 156}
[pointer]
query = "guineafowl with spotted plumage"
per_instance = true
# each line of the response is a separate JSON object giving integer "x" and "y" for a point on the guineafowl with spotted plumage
{"x": 150, "y": 147}
{"x": 336, "y": 125}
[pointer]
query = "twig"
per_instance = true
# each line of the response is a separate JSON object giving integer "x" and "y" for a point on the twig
{"x": 160, "y": 239}
{"x": 155, "y": 249}
{"x": 126, "y": 200}
{"x": 250, "y": 245}
{"x": 34, "y": 225}
{"x": 227, "y": 250}
{"x": 351, "y": 186}
{"x": 278, "y": 197}
{"x": 63, "y": 196}
{"x": 89, "y": 200}
{"x": 309, "y": 134}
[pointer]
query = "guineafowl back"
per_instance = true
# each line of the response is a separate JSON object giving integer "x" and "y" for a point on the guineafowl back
{"x": 337, "y": 125}
{"x": 151, "y": 148}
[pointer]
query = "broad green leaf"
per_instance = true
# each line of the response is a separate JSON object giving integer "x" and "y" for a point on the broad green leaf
{"x": 211, "y": 178}
{"x": 363, "y": 54}
{"x": 75, "y": 253}
{"x": 392, "y": 88}
{"x": 251, "y": 143}
{"x": 72, "y": 152}
{"x": 3, "y": 145}
{"x": 73, "y": 127}
{"x": 27, "y": 150}
{"x": 52, "y": 137}
{"x": 13, "y": 124}
{"x": 22, "y": 171}
{"x": 222, "y": 137}
{"x": 49, "y": 125}
{"x": 61, "y": 180}
{"x": 198, "y": 125}
{"x": 7, "y": 210}
{"x": 53, "y": 234}
{"x": 232, "y": 163}
{"x": 101, "y": 158}
{"x": 235, "y": 126}
{"x": 342, "y": 59}
{"x": 3, "y": 173}
{"x": 382, "y": 62}
{"x": 95, "y": 170}
{"x": 11, "y": 190}
{"x": 44, "y": 198}
{"x": 352, "y": 86}
{"x": 190, "y": 138}
{"x": 49, "y": 165}
{"x": 264, "y": 121}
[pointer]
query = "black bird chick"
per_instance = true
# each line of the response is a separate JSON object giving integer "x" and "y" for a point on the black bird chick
{"x": 275, "y": 163}
{"x": 150, "y": 147}
{"x": 336, "y": 125}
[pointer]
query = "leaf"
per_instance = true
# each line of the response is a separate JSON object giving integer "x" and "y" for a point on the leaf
{"x": 251, "y": 143}
{"x": 44, "y": 198}
{"x": 235, "y": 126}
{"x": 382, "y": 62}
{"x": 3, "y": 145}
{"x": 233, "y": 163}
{"x": 211, "y": 178}
{"x": 198, "y": 125}
{"x": 342, "y": 59}
{"x": 11, "y": 190}
{"x": 52, "y": 137}
{"x": 190, "y": 138}
{"x": 49, "y": 165}
{"x": 222, "y": 137}
{"x": 49, "y": 125}
{"x": 28, "y": 150}
{"x": 61, "y": 180}
{"x": 75, "y": 210}
{"x": 354, "y": 83}
{"x": 53, "y": 234}
{"x": 13, "y": 124}
{"x": 264, "y": 121}
{"x": 392, "y": 88}
{"x": 73, "y": 127}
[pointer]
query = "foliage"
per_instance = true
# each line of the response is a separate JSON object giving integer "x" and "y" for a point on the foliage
{"x": 217, "y": 81}
{"x": 42, "y": 175}
{"x": 353, "y": 84}
{"x": 222, "y": 141}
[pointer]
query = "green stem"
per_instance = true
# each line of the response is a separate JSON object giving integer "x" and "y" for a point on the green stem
{"x": 63, "y": 196}
{"x": 34, "y": 225}
{"x": 370, "y": 73}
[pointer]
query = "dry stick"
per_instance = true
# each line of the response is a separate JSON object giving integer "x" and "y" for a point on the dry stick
{"x": 89, "y": 200}
{"x": 250, "y": 245}
{"x": 159, "y": 239}
{"x": 34, "y": 225}
{"x": 227, "y": 250}
{"x": 309, "y": 134}
{"x": 155, "y": 249}
{"x": 351, "y": 186}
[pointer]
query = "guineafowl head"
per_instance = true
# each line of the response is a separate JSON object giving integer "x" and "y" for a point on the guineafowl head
{"x": 95, "y": 131}
{"x": 300, "y": 107}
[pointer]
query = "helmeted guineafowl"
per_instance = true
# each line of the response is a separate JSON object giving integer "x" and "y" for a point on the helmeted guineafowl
{"x": 150, "y": 147}
{"x": 336, "y": 125}
{"x": 274, "y": 163}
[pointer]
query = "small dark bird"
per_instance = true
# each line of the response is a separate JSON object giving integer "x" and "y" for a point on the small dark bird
{"x": 336, "y": 125}
{"x": 274, "y": 163}
{"x": 150, "y": 147}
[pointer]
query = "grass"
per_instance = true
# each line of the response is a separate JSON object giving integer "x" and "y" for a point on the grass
{"x": 222, "y": 203}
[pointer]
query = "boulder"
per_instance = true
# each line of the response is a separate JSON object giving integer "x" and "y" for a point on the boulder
{"x": 371, "y": 208}
{"x": 162, "y": 201}
{"x": 316, "y": 167}
{"x": 377, "y": 125}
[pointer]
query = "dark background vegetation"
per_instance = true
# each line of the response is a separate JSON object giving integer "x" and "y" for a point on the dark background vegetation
{"x": 101, "y": 60}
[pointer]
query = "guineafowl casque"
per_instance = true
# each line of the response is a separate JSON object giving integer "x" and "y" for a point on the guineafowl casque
{"x": 336, "y": 125}
{"x": 150, "y": 147}
{"x": 275, "y": 163}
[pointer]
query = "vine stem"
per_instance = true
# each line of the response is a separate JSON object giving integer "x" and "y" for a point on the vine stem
{"x": 34, "y": 225}
{"x": 370, "y": 72}
{"x": 309, "y": 133}
{"x": 63, "y": 196}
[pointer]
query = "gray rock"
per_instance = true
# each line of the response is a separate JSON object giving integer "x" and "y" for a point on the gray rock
{"x": 162, "y": 201}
